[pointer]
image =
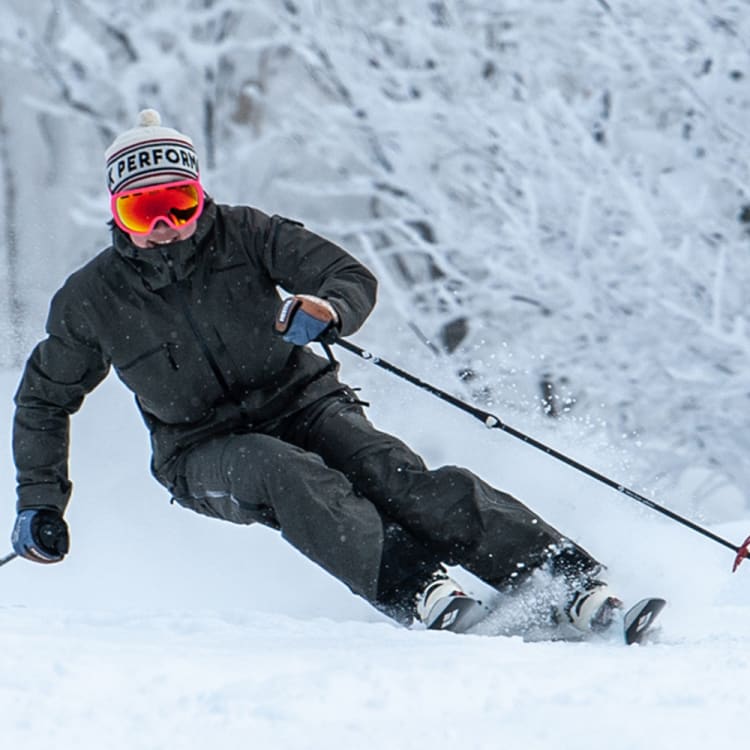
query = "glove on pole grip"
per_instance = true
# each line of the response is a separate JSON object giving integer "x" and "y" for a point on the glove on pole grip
{"x": 286, "y": 314}
{"x": 41, "y": 535}
{"x": 305, "y": 318}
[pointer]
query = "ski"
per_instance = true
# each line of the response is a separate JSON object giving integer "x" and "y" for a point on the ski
{"x": 460, "y": 614}
{"x": 639, "y": 619}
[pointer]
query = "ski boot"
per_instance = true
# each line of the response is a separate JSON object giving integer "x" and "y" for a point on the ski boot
{"x": 593, "y": 608}
{"x": 442, "y": 605}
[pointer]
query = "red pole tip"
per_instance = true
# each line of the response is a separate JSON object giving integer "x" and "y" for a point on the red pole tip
{"x": 743, "y": 551}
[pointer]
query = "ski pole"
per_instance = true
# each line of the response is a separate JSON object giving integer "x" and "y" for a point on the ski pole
{"x": 7, "y": 558}
{"x": 491, "y": 421}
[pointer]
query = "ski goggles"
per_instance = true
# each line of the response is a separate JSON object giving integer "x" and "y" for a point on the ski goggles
{"x": 177, "y": 203}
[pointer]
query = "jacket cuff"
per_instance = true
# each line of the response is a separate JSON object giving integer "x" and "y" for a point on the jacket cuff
{"x": 41, "y": 497}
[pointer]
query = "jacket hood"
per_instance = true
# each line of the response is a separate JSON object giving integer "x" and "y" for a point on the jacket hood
{"x": 166, "y": 264}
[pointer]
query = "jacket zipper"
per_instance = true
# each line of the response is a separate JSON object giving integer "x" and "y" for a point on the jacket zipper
{"x": 212, "y": 363}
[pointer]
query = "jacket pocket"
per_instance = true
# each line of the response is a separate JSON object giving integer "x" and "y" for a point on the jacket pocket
{"x": 166, "y": 349}
{"x": 168, "y": 385}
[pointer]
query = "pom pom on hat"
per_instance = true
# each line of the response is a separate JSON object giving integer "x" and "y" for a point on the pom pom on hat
{"x": 148, "y": 117}
{"x": 150, "y": 154}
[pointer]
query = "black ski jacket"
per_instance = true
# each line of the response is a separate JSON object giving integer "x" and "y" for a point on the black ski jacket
{"x": 189, "y": 329}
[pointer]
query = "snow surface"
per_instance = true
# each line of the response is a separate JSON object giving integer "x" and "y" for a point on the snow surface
{"x": 164, "y": 629}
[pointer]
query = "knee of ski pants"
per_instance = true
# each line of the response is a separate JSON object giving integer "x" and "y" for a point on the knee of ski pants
{"x": 449, "y": 502}
{"x": 232, "y": 477}
{"x": 226, "y": 507}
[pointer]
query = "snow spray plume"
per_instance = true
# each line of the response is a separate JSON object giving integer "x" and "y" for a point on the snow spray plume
{"x": 491, "y": 421}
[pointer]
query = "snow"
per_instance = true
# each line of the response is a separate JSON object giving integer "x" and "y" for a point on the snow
{"x": 268, "y": 681}
{"x": 164, "y": 629}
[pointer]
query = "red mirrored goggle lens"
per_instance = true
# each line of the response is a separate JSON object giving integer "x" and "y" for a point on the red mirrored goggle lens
{"x": 178, "y": 203}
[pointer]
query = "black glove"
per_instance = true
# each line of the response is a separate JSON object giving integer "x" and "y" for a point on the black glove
{"x": 41, "y": 535}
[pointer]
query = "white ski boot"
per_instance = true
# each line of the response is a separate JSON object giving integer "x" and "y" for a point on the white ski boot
{"x": 444, "y": 606}
{"x": 593, "y": 608}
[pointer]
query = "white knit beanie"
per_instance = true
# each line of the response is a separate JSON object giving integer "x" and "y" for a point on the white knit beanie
{"x": 149, "y": 154}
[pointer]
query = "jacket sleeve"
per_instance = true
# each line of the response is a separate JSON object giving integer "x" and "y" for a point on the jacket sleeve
{"x": 61, "y": 370}
{"x": 302, "y": 262}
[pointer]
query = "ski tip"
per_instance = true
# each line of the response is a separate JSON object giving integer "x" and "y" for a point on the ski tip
{"x": 640, "y": 618}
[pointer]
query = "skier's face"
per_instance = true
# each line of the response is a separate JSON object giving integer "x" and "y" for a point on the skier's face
{"x": 163, "y": 234}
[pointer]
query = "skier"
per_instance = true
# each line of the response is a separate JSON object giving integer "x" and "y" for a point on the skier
{"x": 247, "y": 424}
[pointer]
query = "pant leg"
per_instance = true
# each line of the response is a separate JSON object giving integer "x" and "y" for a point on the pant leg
{"x": 259, "y": 478}
{"x": 465, "y": 520}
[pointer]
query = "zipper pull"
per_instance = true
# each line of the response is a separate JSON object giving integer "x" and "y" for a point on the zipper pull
{"x": 170, "y": 266}
{"x": 172, "y": 361}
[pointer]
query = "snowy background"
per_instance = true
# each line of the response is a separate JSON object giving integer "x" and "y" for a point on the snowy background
{"x": 555, "y": 197}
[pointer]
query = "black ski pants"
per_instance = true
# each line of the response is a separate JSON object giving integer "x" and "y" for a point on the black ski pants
{"x": 362, "y": 505}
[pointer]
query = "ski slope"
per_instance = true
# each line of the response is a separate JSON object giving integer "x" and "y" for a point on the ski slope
{"x": 164, "y": 629}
